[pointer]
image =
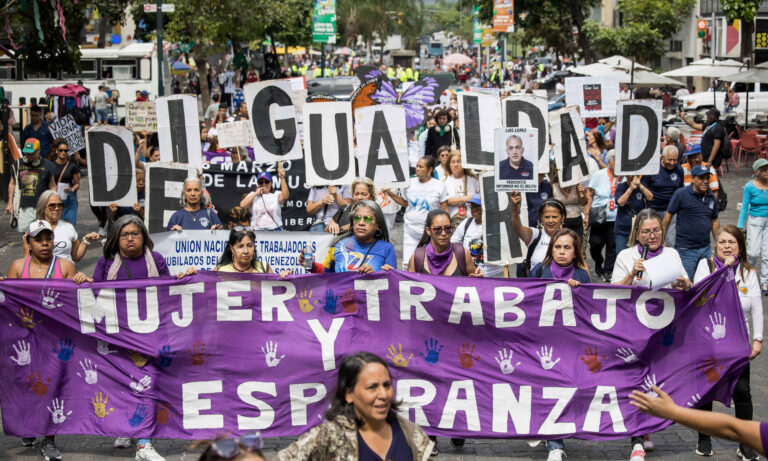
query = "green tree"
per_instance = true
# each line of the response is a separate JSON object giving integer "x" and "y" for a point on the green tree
{"x": 368, "y": 20}
{"x": 453, "y": 17}
{"x": 745, "y": 10}
{"x": 111, "y": 12}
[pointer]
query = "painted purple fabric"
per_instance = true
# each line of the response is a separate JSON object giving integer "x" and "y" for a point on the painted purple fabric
{"x": 229, "y": 353}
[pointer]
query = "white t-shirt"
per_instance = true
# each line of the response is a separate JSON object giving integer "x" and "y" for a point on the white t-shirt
{"x": 455, "y": 188}
{"x": 749, "y": 295}
{"x": 422, "y": 197}
{"x": 464, "y": 234}
{"x": 266, "y": 213}
{"x": 626, "y": 259}
{"x": 541, "y": 248}
{"x": 63, "y": 236}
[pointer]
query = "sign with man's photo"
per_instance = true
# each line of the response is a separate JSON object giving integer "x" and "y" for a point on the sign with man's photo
{"x": 516, "y": 150}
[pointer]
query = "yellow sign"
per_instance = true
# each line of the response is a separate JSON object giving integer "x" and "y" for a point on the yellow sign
{"x": 488, "y": 37}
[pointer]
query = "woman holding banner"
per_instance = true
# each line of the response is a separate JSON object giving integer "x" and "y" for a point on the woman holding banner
{"x": 67, "y": 176}
{"x": 551, "y": 218}
{"x": 196, "y": 213}
{"x": 240, "y": 254}
{"x": 266, "y": 214}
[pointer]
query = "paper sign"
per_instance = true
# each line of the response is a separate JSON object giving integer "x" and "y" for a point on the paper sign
{"x": 111, "y": 166}
{"x": 382, "y": 144}
{"x": 329, "y": 157}
{"x": 525, "y": 110}
{"x": 66, "y": 127}
{"x": 638, "y": 137}
{"x": 480, "y": 115}
{"x": 567, "y": 134}
{"x": 516, "y": 163}
{"x": 178, "y": 130}
{"x": 141, "y": 116}
{"x": 595, "y": 96}
{"x": 273, "y": 117}
{"x": 662, "y": 270}
{"x": 164, "y": 184}
{"x": 233, "y": 134}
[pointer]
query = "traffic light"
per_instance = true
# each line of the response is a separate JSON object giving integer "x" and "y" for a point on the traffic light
{"x": 701, "y": 27}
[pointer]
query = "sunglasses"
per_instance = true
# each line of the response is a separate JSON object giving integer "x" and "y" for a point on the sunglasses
{"x": 366, "y": 219}
{"x": 264, "y": 182}
{"x": 443, "y": 230}
{"x": 230, "y": 448}
{"x": 54, "y": 206}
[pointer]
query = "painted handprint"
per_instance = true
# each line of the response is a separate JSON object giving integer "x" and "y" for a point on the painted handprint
{"x": 433, "y": 352}
{"x": 89, "y": 372}
{"x": 306, "y": 303}
{"x": 466, "y": 359}
{"x": 695, "y": 398}
{"x": 102, "y": 347}
{"x": 23, "y": 353}
{"x": 330, "y": 302}
{"x": 49, "y": 299}
{"x": 627, "y": 355}
{"x": 546, "y": 358}
{"x": 397, "y": 357}
{"x": 166, "y": 356}
{"x": 27, "y": 317}
{"x": 100, "y": 405}
{"x": 197, "y": 353}
{"x": 139, "y": 415}
{"x": 137, "y": 359}
{"x": 163, "y": 413}
{"x": 505, "y": 361}
{"x": 270, "y": 355}
{"x": 591, "y": 359}
{"x": 57, "y": 413}
{"x": 668, "y": 336}
{"x": 36, "y": 383}
{"x": 141, "y": 385}
{"x": 65, "y": 350}
{"x": 348, "y": 301}
{"x": 710, "y": 370}
{"x": 703, "y": 299}
{"x": 718, "y": 325}
{"x": 648, "y": 382}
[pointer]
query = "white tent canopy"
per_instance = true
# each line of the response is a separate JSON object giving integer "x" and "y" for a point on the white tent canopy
{"x": 641, "y": 78}
{"x": 622, "y": 63}
{"x": 706, "y": 68}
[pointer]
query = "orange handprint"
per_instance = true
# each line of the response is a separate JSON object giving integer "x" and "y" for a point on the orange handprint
{"x": 306, "y": 303}
{"x": 27, "y": 317}
{"x": 197, "y": 353}
{"x": 348, "y": 302}
{"x": 163, "y": 412}
{"x": 37, "y": 385}
{"x": 100, "y": 405}
{"x": 138, "y": 359}
{"x": 465, "y": 355}
{"x": 397, "y": 357}
{"x": 592, "y": 360}
{"x": 703, "y": 299}
{"x": 710, "y": 370}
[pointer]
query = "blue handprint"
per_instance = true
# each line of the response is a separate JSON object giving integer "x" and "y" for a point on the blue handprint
{"x": 433, "y": 353}
{"x": 330, "y": 302}
{"x": 668, "y": 336}
{"x": 65, "y": 349}
{"x": 139, "y": 415}
{"x": 166, "y": 356}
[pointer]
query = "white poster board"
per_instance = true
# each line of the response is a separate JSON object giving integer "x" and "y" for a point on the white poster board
{"x": 567, "y": 133}
{"x": 178, "y": 129}
{"x": 382, "y": 144}
{"x": 111, "y": 166}
{"x": 501, "y": 245}
{"x": 273, "y": 116}
{"x": 638, "y": 137}
{"x": 329, "y": 153}
{"x": 233, "y": 134}
{"x": 595, "y": 96}
{"x": 66, "y": 127}
{"x": 529, "y": 111}
{"x": 163, "y": 186}
{"x": 480, "y": 115}
{"x": 516, "y": 162}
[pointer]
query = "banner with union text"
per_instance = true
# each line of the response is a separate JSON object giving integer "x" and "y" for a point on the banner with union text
{"x": 229, "y": 353}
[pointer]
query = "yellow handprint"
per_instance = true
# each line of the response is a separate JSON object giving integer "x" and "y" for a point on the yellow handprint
{"x": 703, "y": 299}
{"x": 27, "y": 318}
{"x": 100, "y": 405}
{"x": 306, "y": 303}
{"x": 397, "y": 356}
{"x": 138, "y": 359}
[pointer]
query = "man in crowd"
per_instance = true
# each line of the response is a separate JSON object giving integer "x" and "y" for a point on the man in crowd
{"x": 34, "y": 175}
{"x": 515, "y": 166}
{"x": 101, "y": 103}
{"x": 693, "y": 157}
{"x": 697, "y": 210}
{"x": 39, "y": 130}
{"x": 212, "y": 109}
{"x": 664, "y": 185}
{"x": 673, "y": 138}
{"x": 712, "y": 139}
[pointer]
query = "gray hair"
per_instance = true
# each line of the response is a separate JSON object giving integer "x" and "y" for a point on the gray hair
{"x": 368, "y": 183}
{"x": 668, "y": 148}
{"x": 644, "y": 215}
{"x": 112, "y": 244}
{"x": 42, "y": 202}
{"x": 205, "y": 201}
{"x": 673, "y": 134}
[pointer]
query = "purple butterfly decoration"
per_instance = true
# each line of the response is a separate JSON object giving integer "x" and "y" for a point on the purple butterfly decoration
{"x": 421, "y": 93}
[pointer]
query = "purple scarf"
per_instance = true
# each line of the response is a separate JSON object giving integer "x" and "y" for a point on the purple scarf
{"x": 720, "y": 264}
{"x": 651, "y": 253}
{"x": 560, "y": 272}
{"x": 438, "y": 262}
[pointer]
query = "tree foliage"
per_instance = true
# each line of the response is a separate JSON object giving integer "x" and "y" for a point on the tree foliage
{"x": 746, "y": 10}
{"x": 369, "y": 20}
{"x": 455, "y": 17}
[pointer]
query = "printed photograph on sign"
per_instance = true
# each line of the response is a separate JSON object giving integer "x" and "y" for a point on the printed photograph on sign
{"x": 528, "y": 110}
{"x": 595, "y": 96}
{"x": 516, "y": 159}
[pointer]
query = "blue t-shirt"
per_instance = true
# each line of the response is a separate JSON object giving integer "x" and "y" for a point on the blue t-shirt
{"x": 348, "y": 254}
{"x": 695, "y": 214}
{"x": 203, "y": 218}
{"x": 624, "y": 214}
{"x": 541, "y": 272}
{"x": 604, "y": 193}
{"x": 663, "y": 186}
{"x": 534, "y": 199}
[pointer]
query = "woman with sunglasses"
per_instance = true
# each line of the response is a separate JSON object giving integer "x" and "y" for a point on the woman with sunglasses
{"x": 265, "y": 204}
{"x": 435, "y": 254}
{"x": 66, "y": 244}
{"x": 195, "y": 213}
{"x": 362, "y": 422}
{"x": 67, "y": 177}
{"x": 551, "y": 217}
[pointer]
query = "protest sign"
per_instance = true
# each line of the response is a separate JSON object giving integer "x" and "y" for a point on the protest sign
{"x": 328, "y": 149}
{"x": 141, "y": 116}
{"x": 595, "y": 96}
{"x": 203, "y": 248}
{"x": 111, "y": 166}
{"x": 480, "y": 115}
{"x": 638, "y": 137}
{"x": 231, "y": 353}
{"x": 517, "y": 164}
{"x": 178, "y": 129}
{"x": 232, "y": 134}
{"x": 501, "y": 245}
{"x": 271, "y": 109}
{"x": 567, "y": 134}
{"x": 529, "y": 111}
{"x": 66, "y": 127}
{"x": 382, "y": 144}
{"x": 229, "y": 183}
{"x": 163, "y": 186}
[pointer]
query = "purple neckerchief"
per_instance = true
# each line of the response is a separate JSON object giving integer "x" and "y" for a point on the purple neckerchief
{"x": 438, "y": 262}
{"x": 560, "y": 272}
{"x": 651, "y": 253}
{"x": 720, "y": 264}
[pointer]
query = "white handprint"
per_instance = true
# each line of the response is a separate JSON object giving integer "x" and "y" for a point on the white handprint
{"x": 141, "y": 385}
{"x": 103, "y": 348}
{"x": 89, "y": 370}
{"x": 718, "y": 325}
{"x": 49, "y": 299}
{"x": 57, "y": 414}
{"x": 270, "y": 355}
{"x": 694, "y": 400}
{"x": 23, "y": 355}
{"x": 546, "y": 358}
{"x": 505, "y": 361}
{"x": 648, "y": 382}
{"x": 627, "y": 355}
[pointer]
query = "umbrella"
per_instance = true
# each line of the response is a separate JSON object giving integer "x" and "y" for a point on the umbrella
{"x": 178, "y": 67}
{"x": 622, "y": 62}
{"x": 457, "y": 59}
{"x": 705, "y": 68}
{"x": 641, "y": 77}
{"x": 755, "y": 75}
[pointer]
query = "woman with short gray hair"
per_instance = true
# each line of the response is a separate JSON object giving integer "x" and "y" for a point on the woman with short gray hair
{"x": 195, "y": 213}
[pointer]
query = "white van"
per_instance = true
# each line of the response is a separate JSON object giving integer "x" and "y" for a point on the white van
{"x": 758, "y": 98}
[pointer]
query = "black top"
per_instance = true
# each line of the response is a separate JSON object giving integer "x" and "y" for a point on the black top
{"x": 507, "y": 171}
{"x": 69, "y": 173}
{"x": 712, "y": 132}
{"x": 399, "y": 450}
{"x": 436, "y": 141}
{"x": 32, "y": 180}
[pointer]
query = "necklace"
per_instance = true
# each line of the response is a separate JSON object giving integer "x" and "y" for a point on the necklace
{"x": 196, "y": 215}
{"x": 237, "y": 269}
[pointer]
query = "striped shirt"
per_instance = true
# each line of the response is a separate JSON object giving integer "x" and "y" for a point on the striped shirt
{"x": 713, "y": 184}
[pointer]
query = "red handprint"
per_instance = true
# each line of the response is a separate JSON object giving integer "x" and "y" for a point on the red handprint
{"x": 710, "y": 370}
{"x": 163, "y": 413}
{"x": 592, "y": 360}
{"x": 39, "y": 387}
{"x": 348, "y": 302}
{"x": 465, "y": 355}
{"x": 197, "y": 353}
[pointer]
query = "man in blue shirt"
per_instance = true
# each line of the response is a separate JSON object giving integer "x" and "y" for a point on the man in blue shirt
{"x": 698, "y": 210}
{"x": 516, "y": 166}
{"x": 38, "y": 129}
{"x": 664, "y": 185}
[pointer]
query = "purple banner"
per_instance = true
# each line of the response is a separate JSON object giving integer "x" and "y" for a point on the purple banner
{"x": 216, "y": 353}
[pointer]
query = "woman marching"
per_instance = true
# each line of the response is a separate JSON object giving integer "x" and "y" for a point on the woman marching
{"x": 551, "y": 217}
{"x": 265, "y": 203}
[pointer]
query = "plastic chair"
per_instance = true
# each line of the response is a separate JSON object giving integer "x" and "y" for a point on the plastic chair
{"x": 748, "y": 143}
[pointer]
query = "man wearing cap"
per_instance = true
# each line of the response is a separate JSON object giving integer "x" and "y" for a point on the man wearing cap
{"x": 697, "y": 210}
{"x": 664, "y": 185}
{"x": 515, "y": 166}
{"x": 38, "y": 129}
{"x": 693, "y": 157}
{"x": 712, "y": 139}
{"x": 34, "y": 175}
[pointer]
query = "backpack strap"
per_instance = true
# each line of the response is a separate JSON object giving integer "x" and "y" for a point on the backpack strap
{"x": 461, "y": 258}
{"x": 418, "y": 258}
{"x": 466, "y": 225}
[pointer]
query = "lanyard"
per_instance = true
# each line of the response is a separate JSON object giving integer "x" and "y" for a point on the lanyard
{"x": 614, "y": 182}
{"x": 710, "y": 126}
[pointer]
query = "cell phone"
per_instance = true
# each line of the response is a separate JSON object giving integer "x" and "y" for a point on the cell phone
{"x": 679, "y": 106}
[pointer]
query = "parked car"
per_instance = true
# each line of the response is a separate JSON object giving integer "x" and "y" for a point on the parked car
{"x": 557, "y": 102}
{"x": 758, "y": 98}
{"x": 339, "y": 87}
{"x": 550, "y": 80}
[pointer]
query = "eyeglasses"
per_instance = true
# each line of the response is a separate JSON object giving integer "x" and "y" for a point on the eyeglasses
{"x": 366, "y": 219}
{"x": 647, "y": 233}
{"x": 230, "y": 448}
{"x": 243, "y": 228}
{"x": 443, "y": 230}
{"x": 54, "y": 206}
{"x": 129, "y": 235}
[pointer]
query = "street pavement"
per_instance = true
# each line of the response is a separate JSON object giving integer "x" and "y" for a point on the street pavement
{"x": 674, "y": 443}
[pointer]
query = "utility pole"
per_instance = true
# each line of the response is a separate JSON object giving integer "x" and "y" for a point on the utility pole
{"x": 159, "y": 16}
